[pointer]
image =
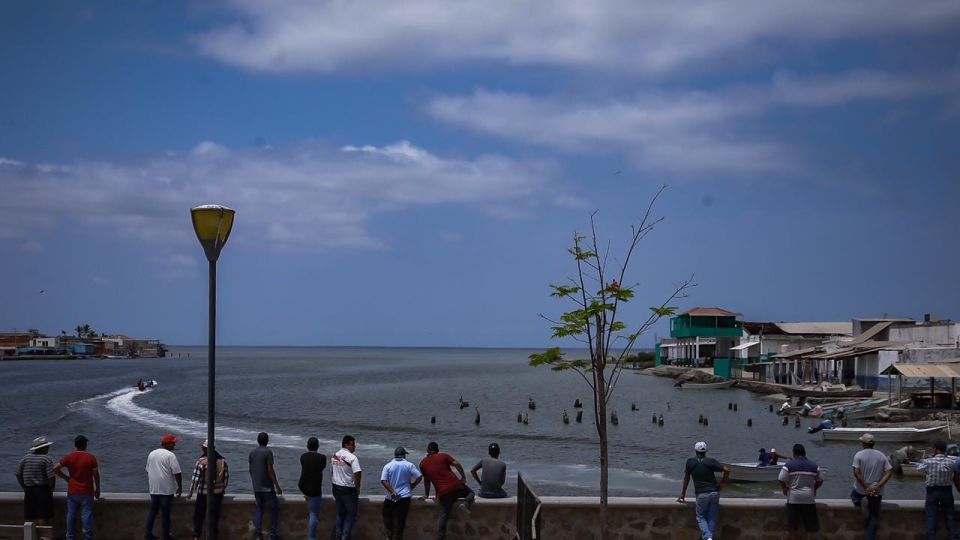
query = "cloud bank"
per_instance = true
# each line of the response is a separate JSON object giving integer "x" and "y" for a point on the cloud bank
{"x": 639, "y": 37}
{"x": 308, "y": 195}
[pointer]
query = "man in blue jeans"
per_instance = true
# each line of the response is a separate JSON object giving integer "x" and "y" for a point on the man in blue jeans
{"x": 83, "y": 486}
{"x": 703, "y": 471}
{"x": 265, "y": 486}
{"x": 163, "y": 474}
{"x": 941, "y": 478}
{"x": 312, "y": 464}
{"x": 345, "y": 472}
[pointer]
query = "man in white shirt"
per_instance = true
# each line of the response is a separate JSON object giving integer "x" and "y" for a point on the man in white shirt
{"x": 163, "y": 475}
{"x": 345, "y": 473}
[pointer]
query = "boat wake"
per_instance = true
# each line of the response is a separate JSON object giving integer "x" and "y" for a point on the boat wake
{"x": 122, "y": 403}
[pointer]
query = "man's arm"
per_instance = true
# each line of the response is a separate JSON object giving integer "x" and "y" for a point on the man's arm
{"x": 195, "y": 480}
{"x": 179, "y": 478}
{"x": 459, "y": 467}
{"x": 723, "y": 479}
{"x": 415, "y": 483}
{"x": 96, "y": 482}
{"x": 356, "y": 480}
{"x": 860, "y": 480}
{"x": 386, "y": 485}
{"x": 889, "y": 473}
{"x": 426, "y": 487}
{"x": 20, "y": 480}
{"x": 473, "y": 472}
{"x": 683, "y": 490}
{"x": 58, "y": 470}
{"x": 272, "y": 473}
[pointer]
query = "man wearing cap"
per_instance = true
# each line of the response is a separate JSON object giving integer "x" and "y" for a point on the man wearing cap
{"x": 436, "y": 470}
{"x": 346, "y": 475}
{"x": 83, "y": 486}
{"x": 312, "y": 464}
{"x": 399, "y": 477}
{"x": 704, "y": 471}
{"x": 871, "y": 471}
{"x": 493, "y": 474}
{"x": 35, "y": 475}
{"x": 800, "y": 478}
{"x": 198, "y": 485}
{"x": 163, "y": 475}
{"x": 941, "y": 478}
{"x": 265, "y": 486}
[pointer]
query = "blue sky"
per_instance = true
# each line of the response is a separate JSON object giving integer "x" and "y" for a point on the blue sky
{"x": 411, "y": 173}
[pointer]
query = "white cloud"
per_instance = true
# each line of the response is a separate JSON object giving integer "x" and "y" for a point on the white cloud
{"x": 32, "y": 246}
{"x": 644, "y": 37}
{"x": 10, "y": 162}
{"x": 687, "y": 132}
{"x": 308, "y": 195}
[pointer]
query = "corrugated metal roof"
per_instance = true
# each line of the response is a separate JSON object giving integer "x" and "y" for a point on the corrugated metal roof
{"x": 709, "y": 312}
{"x": 800, "y": 352}
{"x": 827, "y": 328}
{"x": 874, "y": 330}
{"x": 940, "y": 370}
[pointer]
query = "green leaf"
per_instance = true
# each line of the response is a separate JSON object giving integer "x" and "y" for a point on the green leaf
{"x": 561, "y": 291}
{"x": 663, "y": 311}
{"x": 617, "y": 326}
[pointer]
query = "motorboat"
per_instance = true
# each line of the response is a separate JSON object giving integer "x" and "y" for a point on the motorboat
{"x": 893, "y": 434}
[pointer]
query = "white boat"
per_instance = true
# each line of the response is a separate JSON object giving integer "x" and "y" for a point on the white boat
{"x": 899, "y": 434}
{"x": 705, "y": 386}
{"x": 753, "y": 472}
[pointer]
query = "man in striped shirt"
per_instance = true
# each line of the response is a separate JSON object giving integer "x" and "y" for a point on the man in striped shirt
{"x": 941, "y": 478}
{"x": 198, "y": 485}
{"x": 36, "y": 477}
{"x": 800, "y": 478}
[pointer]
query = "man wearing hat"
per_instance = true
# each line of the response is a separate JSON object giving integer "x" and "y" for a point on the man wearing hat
{"x": 704, "y": 471}
{"x": 36, "y": 477}
{"x": 494, "y": 474}
{"x": 941, "y": 479}
{"x": 871, "y": 471}
{"x": 83, "y": 486}
{"x": 399, "y": 477}
{"x": 198, "y": 484}
{"x": 163, "y": 475}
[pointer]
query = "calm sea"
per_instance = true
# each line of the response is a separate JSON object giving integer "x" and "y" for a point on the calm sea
{"x": 385, "y": 398}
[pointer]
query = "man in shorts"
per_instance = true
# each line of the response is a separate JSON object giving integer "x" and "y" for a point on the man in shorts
{"x": 800, "y": 478}
{"x": 36, "y": 477}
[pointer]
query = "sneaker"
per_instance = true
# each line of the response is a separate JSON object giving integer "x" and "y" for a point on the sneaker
{"x": 465, "y": 507}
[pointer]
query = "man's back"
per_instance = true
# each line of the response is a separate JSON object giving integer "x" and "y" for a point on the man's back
{"x": 162, "y": 465}
{"x": 703, "y": 471}
{"x": 872, "y": 464}
{"x": 81, "y": 465}
{"x": 801, "y": 475}
{"x": 400, "y": 473}
{"x": 436, "y": 469}
{"x": 493, "y": 474}
{"x": 260, "y": 457}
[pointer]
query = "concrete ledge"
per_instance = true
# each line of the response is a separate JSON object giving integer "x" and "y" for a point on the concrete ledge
{"x": 121, "y": 516}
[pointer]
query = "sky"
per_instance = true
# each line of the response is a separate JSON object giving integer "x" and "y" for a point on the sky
{"x": 412, "y": 173}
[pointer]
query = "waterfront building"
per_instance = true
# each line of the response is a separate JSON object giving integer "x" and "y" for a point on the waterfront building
{"x": 699, "y": 336}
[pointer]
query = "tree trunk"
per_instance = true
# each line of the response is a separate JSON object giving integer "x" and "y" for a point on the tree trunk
{"x": 601, "y": 408}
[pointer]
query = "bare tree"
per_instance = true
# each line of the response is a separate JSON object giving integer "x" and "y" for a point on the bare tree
{"x": 597, "y": 291}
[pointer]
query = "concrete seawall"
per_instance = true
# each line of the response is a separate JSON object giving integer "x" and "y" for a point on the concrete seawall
{"x": 120, "y": 516}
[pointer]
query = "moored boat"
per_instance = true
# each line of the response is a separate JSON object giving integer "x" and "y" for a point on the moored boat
{"x": 898, "y": 434}
{"x": 794, "y": 391}
{"x": 753, "y": 472}
{"x": 705, "y": 386}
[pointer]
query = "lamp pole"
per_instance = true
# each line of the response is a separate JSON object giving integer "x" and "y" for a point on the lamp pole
{"x": 212, "y": 223}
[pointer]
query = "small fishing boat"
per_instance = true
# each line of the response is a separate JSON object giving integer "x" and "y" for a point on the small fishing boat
{"x": 898, "y": 434}
{"x": 753, "y": 472}
{"x": 794, "y": 391}
{"x": 705, "y": 386}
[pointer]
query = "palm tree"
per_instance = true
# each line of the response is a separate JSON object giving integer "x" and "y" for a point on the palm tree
{"x": 79, "y": 330}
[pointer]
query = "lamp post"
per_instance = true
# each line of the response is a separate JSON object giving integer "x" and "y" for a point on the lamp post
{"x": 212, "y": 223}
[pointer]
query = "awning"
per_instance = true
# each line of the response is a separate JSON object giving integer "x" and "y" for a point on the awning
{"x": 668, "y": 345}
{"x": 939, "y": 370}
{"x": 872, "y": 331}
{"x": 743, "y": 346}
{"x": 801, "y": 352}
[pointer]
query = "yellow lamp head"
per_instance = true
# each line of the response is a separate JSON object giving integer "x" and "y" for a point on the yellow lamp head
{"x": 212, "y": 224}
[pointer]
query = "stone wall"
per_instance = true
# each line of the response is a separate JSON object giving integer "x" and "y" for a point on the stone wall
{"x": 121, "y": 516}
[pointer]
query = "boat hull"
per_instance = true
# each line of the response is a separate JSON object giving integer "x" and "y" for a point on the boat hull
{"x": 804, "y": 392}
{"x": 706, "y": 386}
{"x": 751, "y": 472}
{"x": 883, "y": 434}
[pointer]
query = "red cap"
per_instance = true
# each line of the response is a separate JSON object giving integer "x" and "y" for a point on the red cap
{"x": 168, "y": 439}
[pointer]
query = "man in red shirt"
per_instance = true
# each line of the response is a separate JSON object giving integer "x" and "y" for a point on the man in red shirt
{"x": 83, "y": 485}
{"x": 436, "y": 470}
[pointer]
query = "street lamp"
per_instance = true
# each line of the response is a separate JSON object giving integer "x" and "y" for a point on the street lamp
{"x": 212, "y": 223}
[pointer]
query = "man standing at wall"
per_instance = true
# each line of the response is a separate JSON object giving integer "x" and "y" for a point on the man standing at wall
{"x": 494, "y": 474}
{"x": 35, "y": 475}
{"x": 871, "y": 471}
{"x": 941, "y": 479}
{"x": 346, "y": 475}
{"x": 704, "y": 471}
{"x": 83, "y": 486}
{"x": 436, "y": 470}
{"x": 265, "y": 486}
{"x": 396, "y": 478}
{"x": 208, "y": 505}
{"x": 312, "y": 464}
{"x": 800, "y": 478}
{"x": 163, "y": 475}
